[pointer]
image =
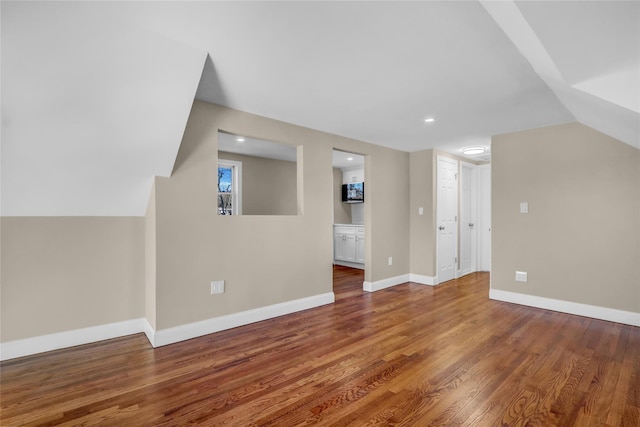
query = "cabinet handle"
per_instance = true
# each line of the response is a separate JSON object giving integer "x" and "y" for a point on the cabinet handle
{"x": 441, "y": 228}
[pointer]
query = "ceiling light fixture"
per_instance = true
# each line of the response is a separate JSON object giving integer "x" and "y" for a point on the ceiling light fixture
{"x": 476, "y": 149}
{"x": 429, "y": 120}
{"x": 350, "y": 159}
{"x": 239, "y": 139}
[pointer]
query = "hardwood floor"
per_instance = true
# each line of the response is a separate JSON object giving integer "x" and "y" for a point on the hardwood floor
{"x": 411, "y": 355}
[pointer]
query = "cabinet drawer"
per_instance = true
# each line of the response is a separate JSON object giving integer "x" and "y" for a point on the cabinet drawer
{"x": 344, "y": 230}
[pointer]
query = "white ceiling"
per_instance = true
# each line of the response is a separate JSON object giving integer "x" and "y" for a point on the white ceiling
{"x": 245, "y": 145}
{"x": 95, "y": 95}
{"x": 248, "y": 146}
{"x": 347, "y": 161}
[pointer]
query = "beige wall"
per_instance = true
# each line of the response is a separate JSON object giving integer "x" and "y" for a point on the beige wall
{"x": 268, "y": 185}
{"x": 341, "y": 211}
{"x": 580, "y": 240}
{"x": 265, "y": 259}
{"x": 66, "y": 273}
{"x": 386, "y": 213}
{"x": 423, "y": 194}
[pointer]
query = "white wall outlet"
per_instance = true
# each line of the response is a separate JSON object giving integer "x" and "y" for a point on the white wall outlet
{"x": 390, "y": 260}
{"x": 217, "y": 287}
{"x": 521, "y": 276}
{"x": 524, "y": 207}
{"x": 420, "y": 211}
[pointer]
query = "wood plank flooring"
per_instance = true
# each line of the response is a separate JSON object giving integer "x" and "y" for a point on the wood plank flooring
{"x": 411, "y": 355}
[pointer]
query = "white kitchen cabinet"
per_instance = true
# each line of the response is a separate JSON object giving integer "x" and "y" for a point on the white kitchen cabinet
{"x": 360, "y": 245}
{"x": 348, "y": 244}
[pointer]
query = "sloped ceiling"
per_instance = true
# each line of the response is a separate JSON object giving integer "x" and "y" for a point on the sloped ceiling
{"x": 95, "y": 95}
{"x": 92, "y": 109}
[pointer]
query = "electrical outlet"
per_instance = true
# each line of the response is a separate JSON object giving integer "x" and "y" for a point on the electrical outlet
{"x": 217, "y": 287}
{"x": 390, "y": 260}
{"x": 524, "y": 207}
{"x": 521, "y": 276}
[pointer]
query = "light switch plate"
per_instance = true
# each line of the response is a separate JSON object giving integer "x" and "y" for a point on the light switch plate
{"x": 217, "y": 287}
{"x": 524, "y": 207}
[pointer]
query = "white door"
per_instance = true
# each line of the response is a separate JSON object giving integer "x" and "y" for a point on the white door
{"x": 468, "y": 219}
{"x": 484, "y": 214}
{"x": 446, "y": 221}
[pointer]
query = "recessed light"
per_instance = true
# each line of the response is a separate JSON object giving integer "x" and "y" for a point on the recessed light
{"x": 429, "y": 120}
{"x": 476, "y": 149}
{"x": 239, "y": 139}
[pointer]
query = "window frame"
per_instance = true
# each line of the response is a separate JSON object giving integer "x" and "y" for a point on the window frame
{"x": 236, "y": 185}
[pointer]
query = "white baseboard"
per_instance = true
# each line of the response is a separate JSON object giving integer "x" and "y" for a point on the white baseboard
{"x": 593, "y": 311}
{"x": 217, "y": 324}
{"x": 349, "y": 264}
{"x": 423, "y": 280}
{"x": 149, "y": 332}
{"x": 40, "y": 344}
{"x": 385, "y": 283}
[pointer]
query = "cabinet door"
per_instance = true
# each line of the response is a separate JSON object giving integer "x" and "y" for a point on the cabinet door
{"x": 339, "y": 246}
{"x": 350, "y": 247}
{"x": 360, "y": 248}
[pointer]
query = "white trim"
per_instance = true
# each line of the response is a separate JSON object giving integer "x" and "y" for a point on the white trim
{"x": 596, "y": 312}
{"x": 422, "y": 280}
{"x": 349, "y": 264}
{"x": 221, "y": 323}
{"x": 385, "y": 283}
{"x": 42, "y": 343}
{"x": 149, "y": 332}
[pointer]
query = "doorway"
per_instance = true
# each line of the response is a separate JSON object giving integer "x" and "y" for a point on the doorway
{"x": 463, "y": 218}
{"x": 348, "y": 209}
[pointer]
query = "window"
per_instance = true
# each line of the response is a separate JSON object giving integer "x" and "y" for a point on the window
{"x": 229, "y": 187}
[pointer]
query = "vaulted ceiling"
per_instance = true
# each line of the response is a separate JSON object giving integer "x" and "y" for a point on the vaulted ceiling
{"x": 95, "y": 95}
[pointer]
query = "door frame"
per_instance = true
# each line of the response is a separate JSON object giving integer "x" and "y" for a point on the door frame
{"x": 484, "y": 217}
